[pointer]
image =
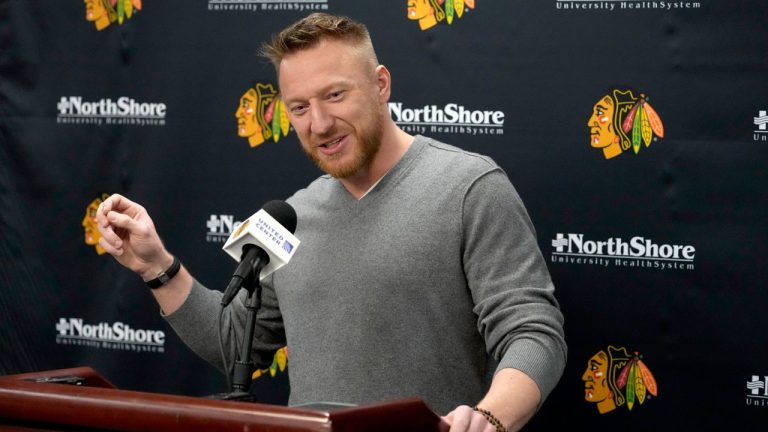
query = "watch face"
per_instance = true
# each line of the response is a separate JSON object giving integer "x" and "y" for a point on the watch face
{"x": 165, "y": 276}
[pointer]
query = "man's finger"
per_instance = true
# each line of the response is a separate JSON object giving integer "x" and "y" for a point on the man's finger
{"x": 109, "y": 248}
{"x": 120, "y": 204}
{"x": 101, "y": 213}
{"x": 124, "y": 205}
{"x": 109, "y": 235}
{"x": 123, "y": 221}
{"x": 461, "y": 418}
{"x": 479, "y": 423}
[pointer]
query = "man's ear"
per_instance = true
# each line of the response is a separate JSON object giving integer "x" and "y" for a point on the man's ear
{"x": 384, "y": 83}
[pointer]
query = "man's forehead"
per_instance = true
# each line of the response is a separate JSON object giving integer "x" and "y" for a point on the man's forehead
{"x": 320, "y": 67}
{"x": 324, "y": 48}
{"x": 304, "y": 90}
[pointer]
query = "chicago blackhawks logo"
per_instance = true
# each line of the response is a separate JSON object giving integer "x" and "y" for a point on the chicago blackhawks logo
{"x": 621, "y": 121}
{"x": 92, "y": 234}
{"x": 279, "y": 362}
{"x": 261, "y": 115}
{"x": 614, "y": 378}
{"x": 102, "y": 13}
{"x": 430, "y": 12}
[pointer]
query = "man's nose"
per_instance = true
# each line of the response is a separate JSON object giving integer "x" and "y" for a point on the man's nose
{"x": 322, "y": 120}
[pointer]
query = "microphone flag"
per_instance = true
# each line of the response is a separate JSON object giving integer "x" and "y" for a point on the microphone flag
{"x": 264, "y": 231}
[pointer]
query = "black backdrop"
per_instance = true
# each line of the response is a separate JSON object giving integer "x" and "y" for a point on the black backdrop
{"x": 146, "y": 107}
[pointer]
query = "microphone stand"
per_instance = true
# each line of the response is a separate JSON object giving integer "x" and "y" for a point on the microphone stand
{"x": 243, "y": 367}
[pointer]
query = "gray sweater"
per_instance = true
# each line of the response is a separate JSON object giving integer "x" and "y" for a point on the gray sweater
{"x": 425, "y": 287}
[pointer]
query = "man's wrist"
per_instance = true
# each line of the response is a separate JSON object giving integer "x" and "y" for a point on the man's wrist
{"x": 492, "y": 419}
{"x": 157, "y": 268}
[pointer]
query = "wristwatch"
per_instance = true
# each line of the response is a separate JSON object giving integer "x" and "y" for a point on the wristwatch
{"x": 165, "y": 276}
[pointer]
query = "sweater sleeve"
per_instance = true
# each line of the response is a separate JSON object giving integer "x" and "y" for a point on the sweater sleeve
{"x": 197, "y": 324}
{"x": 518, "y": 315}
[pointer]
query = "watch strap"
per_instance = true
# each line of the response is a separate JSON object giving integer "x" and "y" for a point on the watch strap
{"x": 165, "y": 276}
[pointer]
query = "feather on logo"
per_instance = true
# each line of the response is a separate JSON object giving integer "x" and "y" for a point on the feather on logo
{"x": 105, "y": 12}
{"x": 279, "y": 363}
{"x": 430, "y": 12}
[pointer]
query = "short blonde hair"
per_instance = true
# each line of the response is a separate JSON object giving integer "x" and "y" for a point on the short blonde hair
{"x": 309, "y": 31}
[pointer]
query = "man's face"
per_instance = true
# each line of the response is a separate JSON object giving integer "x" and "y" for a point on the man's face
{"x": 334, "y": 103}
{"x": 246, "y": 115}
{"x": 595, "y": 379}
{"x": 601, "y": 133}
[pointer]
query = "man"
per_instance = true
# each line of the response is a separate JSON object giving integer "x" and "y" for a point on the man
{"x": 418, "y": 272}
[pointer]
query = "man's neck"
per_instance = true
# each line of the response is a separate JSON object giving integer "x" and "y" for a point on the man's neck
{"x": 394, "y": 144}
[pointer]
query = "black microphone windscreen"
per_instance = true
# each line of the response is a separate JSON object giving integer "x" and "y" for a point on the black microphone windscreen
{"x": 283, "y": 213}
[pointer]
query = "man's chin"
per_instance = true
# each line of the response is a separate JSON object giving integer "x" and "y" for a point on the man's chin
{"x": 339, "y": 172}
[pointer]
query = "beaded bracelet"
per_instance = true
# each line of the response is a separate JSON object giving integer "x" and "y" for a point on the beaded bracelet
{"x": 491, "y": 419}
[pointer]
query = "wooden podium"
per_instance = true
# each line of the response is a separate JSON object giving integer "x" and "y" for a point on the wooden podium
{"x": 80, "y": 399}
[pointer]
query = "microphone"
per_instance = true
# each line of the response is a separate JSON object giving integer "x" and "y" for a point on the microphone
{"x": 262, "y": 244}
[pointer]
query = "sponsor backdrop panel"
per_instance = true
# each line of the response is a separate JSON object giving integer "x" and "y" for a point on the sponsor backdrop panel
{"x": 634, "y": 131}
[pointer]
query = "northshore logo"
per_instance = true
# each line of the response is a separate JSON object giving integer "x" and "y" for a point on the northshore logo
{"x": 117, "y": 335}
{"x": 123, "y": 111}
{"x": 451, "y": 118}
{"x": 637, "y": 252}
